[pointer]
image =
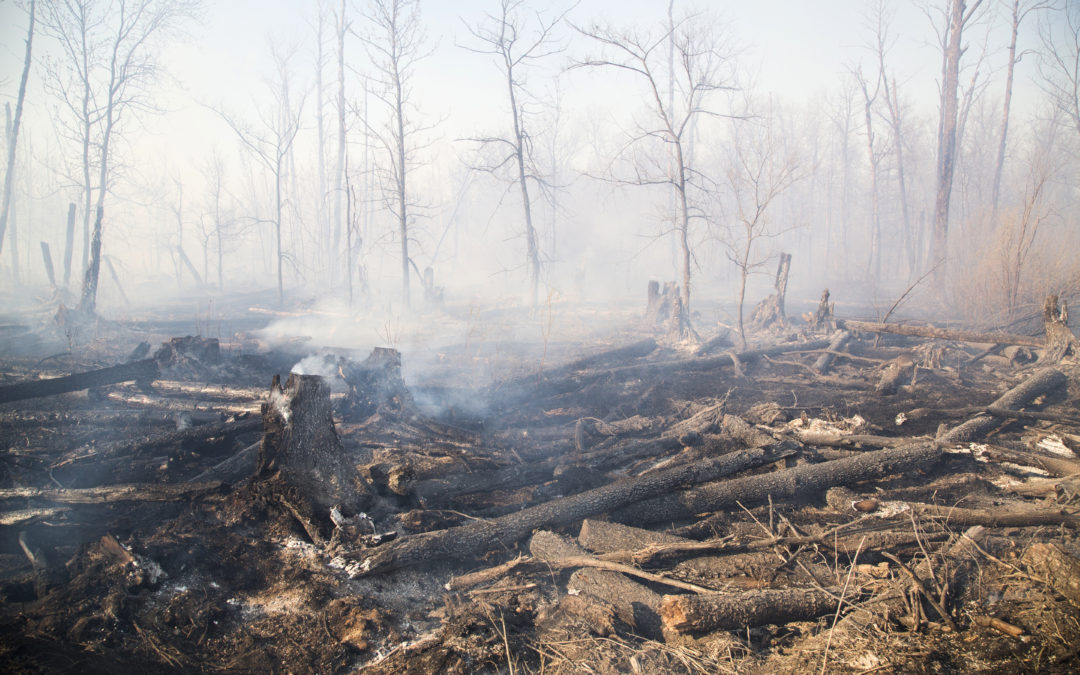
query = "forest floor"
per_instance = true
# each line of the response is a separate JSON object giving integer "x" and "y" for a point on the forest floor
{"x": 540, "y": 503}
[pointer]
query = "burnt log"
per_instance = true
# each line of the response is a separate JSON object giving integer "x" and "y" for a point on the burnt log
{"x": 108, "y": 494}
{"x": 301, "y": 461}
{"x": 936, "y": 333}
{"x": 1041, "y": 382}
{"x": 697, "y": 614}
{"x": 601, "y": 536}
{"x": 824, "y": 362}
{"x": 139, "y": 371}
{"x": 801, "y": 481}
{"x": 478, "y": 537}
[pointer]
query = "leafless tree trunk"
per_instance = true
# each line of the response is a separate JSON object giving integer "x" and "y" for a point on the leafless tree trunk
{"x": 341, "y": 26}
{"x": 13, "y": 132}
{"x": 760, "y": 169}
{"x": 516, "y": 45}
{"x": 1018, "y": 15}
{"x": 395, "y": 43}
{"x": 873, "y": 263}
{"x": 703, "y": 68}
{"x": 108, "y": 62}
{"x": 271, "y": 144}
{"x": 1059, "y": 60}
{"x": 952, "y": 50}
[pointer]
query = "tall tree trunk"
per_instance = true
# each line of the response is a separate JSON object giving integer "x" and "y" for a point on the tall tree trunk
{"x": 995, "y": 195}
{"x": 340, "y": 169}
{"x": 683, "y": 223}
{"x": 326, "y": 251}
{"x": 69, "y": 243}
{"x": 946, "y": 155}
{"x": 403, "y": 217}
{"x": 277, "y": 226}
{"x": 13, "y": 134}
{"x": 531, "y": 252}
{"x": 873, "y": 263}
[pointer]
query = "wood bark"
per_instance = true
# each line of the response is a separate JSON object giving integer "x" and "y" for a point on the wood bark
{"x": 1041, "y": 382}
{"x": 634, "y": 604}
{"x": 13, "y": 136}
{"x": 139, "y": 492}
{"x": 301, "y": 458}
{"x": 941, "y": 333}
{"x": 800, "y": 481}
{"x": 139, "y": 371}
{"x": 824, "y": 362}
{"x": 1059, "y": 339}
{"x": 601, "y": 536}
{"x": 1061, "y": 570}
{"x": 467, "y": 540}
{"x": 696, "y": 614}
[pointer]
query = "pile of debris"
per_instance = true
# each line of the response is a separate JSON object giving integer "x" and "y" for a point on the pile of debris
{"x": 880, "y": 498}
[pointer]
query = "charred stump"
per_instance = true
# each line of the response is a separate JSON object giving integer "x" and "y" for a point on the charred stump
{"x": 1059, "y": 339}
{"x": 770, "y": 311}
{"x": 301, "y": 462}
{"x": 375, "y": 383}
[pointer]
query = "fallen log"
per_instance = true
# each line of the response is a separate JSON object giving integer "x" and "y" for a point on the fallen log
{"x": 634, "y": 604}
{"x": 199, "y": 435}
{"x": 899, "y": 369}
{"x": 800, "y": 481}
{"x": 467, "y": 540}
{"x": 839, "y": 339}
{"x": 697, "y": 614}
{"x": 940, "y": 333}
{"x": 145, "y": 370}
{"x": 1041, "y": 382}
{"x": 602, "y": 536}
{"x": 1004, "y": 517}
{"x": 143, "y": 492}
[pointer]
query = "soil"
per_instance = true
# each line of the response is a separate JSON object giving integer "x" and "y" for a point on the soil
{"x": 230, "y": 580}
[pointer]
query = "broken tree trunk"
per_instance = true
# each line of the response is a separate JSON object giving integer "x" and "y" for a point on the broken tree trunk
{"x": 140, "y": 371}
{"x": 941, "y": 333}
{"x": 824, "y": 362}
{"x": 1059, "y": 339}
{"x": 477, "y": 537}
{"x": 800, "y": 481}
{"x": 301, "y": 460}
{"x": 147, "y": 492}
{"x": 1041, "y": 382}
{"x": 770, "y": 311}
{"x": 602, "y": 536}
{"x": 698, "y": 614}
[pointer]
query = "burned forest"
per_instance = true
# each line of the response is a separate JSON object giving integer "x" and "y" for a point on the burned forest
{"x": 845, "y": 495}
{"x": 530, "y": 336}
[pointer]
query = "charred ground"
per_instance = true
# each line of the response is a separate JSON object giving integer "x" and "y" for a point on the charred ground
{"x": 625, "y": 501}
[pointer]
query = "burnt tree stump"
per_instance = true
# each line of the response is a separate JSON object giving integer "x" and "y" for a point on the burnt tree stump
{"x": 301, "y": 461}
{"x": 1059, "y": 339}
{"x": 770, "y": 311}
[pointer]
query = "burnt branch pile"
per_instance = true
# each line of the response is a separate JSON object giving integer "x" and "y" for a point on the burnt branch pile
{"x": 838, "y": 502}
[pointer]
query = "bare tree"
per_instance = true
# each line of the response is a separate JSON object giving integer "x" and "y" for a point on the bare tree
{"x": 269, "y": 144}
{"x": 1059, "y": 60}
{"x": 341, "y": 27}
{"x": 395, "y": 42}
{"x": 517, "y": 40}
{"x": 957, "y": 14}
{"x": 760, "y": 168}
{"x": 841, "y": 114}
{"x": 13, "y": 131}
{"x": 1019, "y": 12}
{"x": 704, "y": 66}
{"x": 108, "y": 62}
{"x": 869, "y": 98}
{"x": 880, "y": 20}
